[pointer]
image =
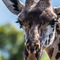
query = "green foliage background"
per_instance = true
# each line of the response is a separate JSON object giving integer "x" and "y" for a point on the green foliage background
{"x": 12, "y": 44}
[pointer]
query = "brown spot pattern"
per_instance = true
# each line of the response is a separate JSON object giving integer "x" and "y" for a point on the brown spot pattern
{"x": 59, "y": 46}
{"x": 57, "y": 29}
{"x": 51, "y": 52}
{"x": 57, "y": 55}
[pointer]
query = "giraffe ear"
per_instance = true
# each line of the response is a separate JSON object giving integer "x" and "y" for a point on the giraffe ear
{"x": 57, "y": 11}
{"x": 15, "y": 6}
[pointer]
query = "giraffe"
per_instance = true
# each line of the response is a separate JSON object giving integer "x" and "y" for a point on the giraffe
{"x": 38, "y": 19}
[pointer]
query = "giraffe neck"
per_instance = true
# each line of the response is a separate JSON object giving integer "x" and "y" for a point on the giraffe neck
{"x": 54, "y": 50}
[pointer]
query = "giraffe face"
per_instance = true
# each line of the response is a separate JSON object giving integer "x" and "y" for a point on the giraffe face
{"x": 39, "y": 27}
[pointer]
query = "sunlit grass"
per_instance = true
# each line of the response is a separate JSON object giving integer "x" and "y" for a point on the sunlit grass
{"x": 45, "y": 56}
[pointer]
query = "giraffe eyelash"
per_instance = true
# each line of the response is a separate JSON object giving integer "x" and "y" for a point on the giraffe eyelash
{"x": 52, "y": 23}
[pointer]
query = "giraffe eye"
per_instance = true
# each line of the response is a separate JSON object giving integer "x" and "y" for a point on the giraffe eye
{"x": 21, "y": 25}
{"x": 52, "y": 23}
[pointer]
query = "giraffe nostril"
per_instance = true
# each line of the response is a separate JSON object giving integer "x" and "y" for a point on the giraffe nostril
{"x": 37, "y": 46}
{"x": 28, "y": 47}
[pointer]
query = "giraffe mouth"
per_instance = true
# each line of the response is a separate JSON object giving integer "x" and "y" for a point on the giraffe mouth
{"x": 34, "y": 50}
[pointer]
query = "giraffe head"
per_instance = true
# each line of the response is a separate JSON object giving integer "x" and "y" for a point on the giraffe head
{"x": 37, "y": 26}
{"x": 37, "y": 18}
